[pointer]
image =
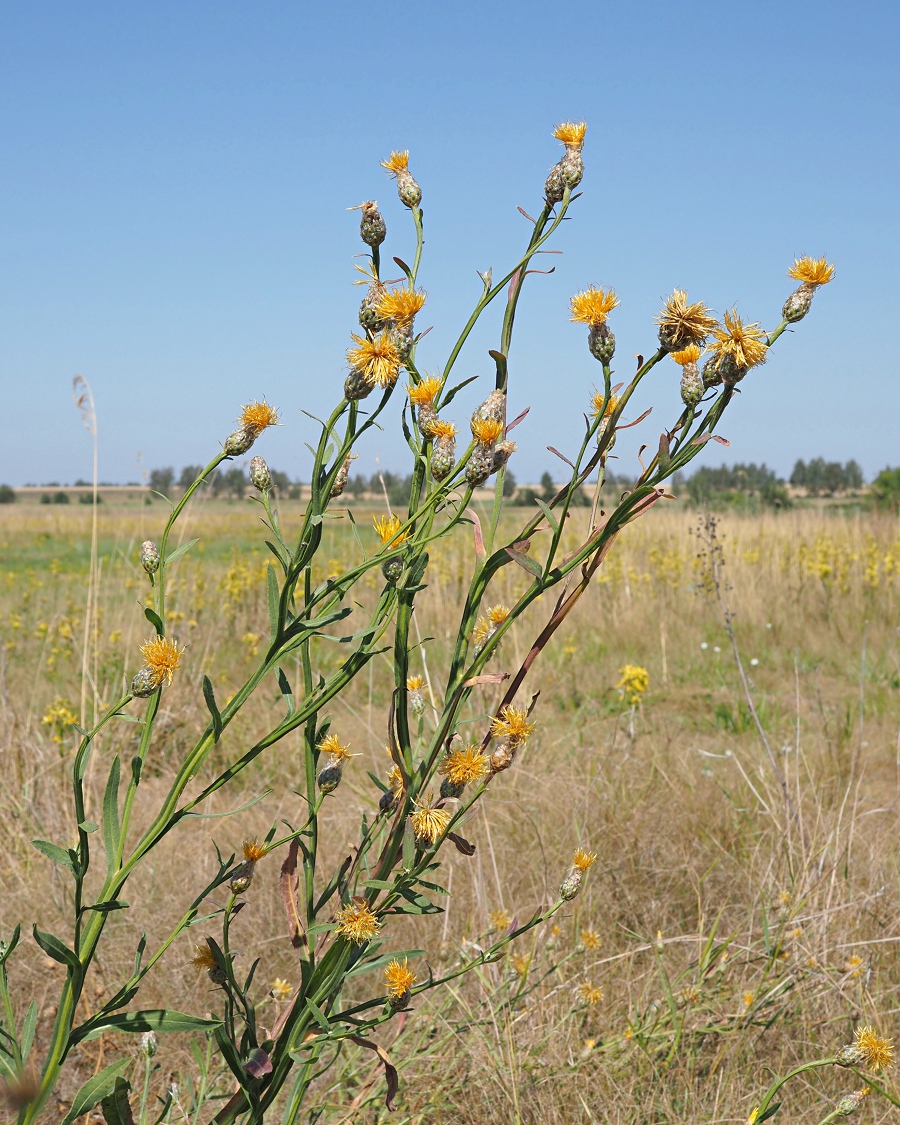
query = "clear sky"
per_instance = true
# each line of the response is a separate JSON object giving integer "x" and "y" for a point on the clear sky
{"x": 174, "y": 178}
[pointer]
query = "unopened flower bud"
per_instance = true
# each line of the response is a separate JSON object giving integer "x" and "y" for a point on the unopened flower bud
{"x": 392, "y": 569}
{"x": 849, "y": 1055}
{"x": 480, "y": 465}
{"x": 239, "y": 442}
{"x": 260, "y": 477}
{"x": 691, "y": 385}
{"x": 504, "y": 755}
{"x": 849, "y": 1103}
{"x": 571, "y": 885}
{"x": 371, "y": 226}
{"x": 388, "y": 801}
{"x": 492, "y": 409}
{"x": 368, "y": 310}
{"x": 356, "y": 386}
{"x": 602, "y": 343}
{"x": 402, "y": 339}
{"x": 340, "y": 480}
{"x": 451, "y": 789}
{"x": 503, "y": 450}
{"x": 798, "y": 304}
{"x": 150, "y": 556}
{"x": 243, "y": 877}
{"x": 149, "y": 1044}
{"x": 730, "y": 370}
{"x": 144, "y": 683}
{"x": 330, "y": 777}
{"x": 711, "y": 375}
{"x": 443, "y": 454}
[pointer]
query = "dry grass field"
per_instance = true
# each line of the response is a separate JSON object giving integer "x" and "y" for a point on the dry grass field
{"x": 722, "y": 934}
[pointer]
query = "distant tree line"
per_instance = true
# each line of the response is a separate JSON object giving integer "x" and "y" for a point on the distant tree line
{"x": 824, "y": 478}
{"x": 738, "y": 485}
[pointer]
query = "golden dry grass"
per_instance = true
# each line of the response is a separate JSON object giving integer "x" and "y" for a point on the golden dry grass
{"x": 726, "y": 935}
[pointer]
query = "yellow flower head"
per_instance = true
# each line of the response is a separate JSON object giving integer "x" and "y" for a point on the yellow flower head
{"x": 634, "y": 682}
{"x": 331, "y": 744}
{"x": 281, "y": 989}
{"x": 377, "y": 359}
{"x": 464, "y": 765}
{"x": 687, "y": 355}
{"x": 593, "y": 306}
{"x": 399, "y": 978}
{"x": 258, "y": 416}
{"x": 395, "y": 781}
{"x": 877, "y": 1053}
{"x": 748, "y": 999}
{"x": 486, "y": 430}
{"x": 481, "y": 632}
{"x": 512, "y": 722}
{"x": 571, "y": 132}
{"x": 744, "y": 343}
{"x": 754, "y": 1113}
{"x": 520, "y": 963}
{"x": 812, "y": 271}
{"x": 162, "y": 656}
{"x": 590, "y": 995}
{"x": 597, "y": 404}
{"x": 400, "y": 305}
{"x": 429, "y": 824}
{"x": 386, "y": 528}
{"x": 424, "y": 393}
{"x": 396, "y": 162}
{"x": 414, "y": 683}
{"x": 684, "y": 323}
{"x": 441, "y": 429}
{"x": 203, "y": 958}
{"x": 357, "y": 923}
{"x": 583, "y": 860}
{"x": 497, "y": 614}
{"x": 253, "y": 850}
{"x": 590, "y": 939}
{"x": 500, "y": 919}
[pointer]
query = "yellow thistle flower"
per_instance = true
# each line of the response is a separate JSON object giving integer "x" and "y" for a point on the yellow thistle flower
{"x": 812, "y": 271}
{"x": 681, "y": 324}
{"x": 400, "y": 305}
{"x": 597, "y": 404}
{"x": 520, "y": 963}
{"x": 877, "y": 1053}
{"x": 754, "y": 1113}
{"x": 583, "y": 860}
{"x": 571, "y": 132}
{"x": 633, "y": 683}
{"x": 357, "y": 923}
{"x": 399, "y": 978}
{"x": 396, "y": 162}
{"x": 593, "y": 306}
{"x": 748, "y": 999}
{"x": 500, "y": 919}
{"x": 378, "y": 359}
{"x": 441, "y": 429}
{"x": 281, "y": 989}
{"x": 162, "y": 656}
{"x": 395, "y": 781}
{"x": 464, "y": 765}
{"x": 331, "y": 744}
{"x": 258, "y": 416}
{"x": 687, "y": 355}
{"x": 486, "y": 430}
{"x": 590, "y": 995}
{"x": 429, "y": 824}
{"x": 481, "y": 633}
{"x": 590, "y": 939}
{"x": 743, "y": 343}
{"x": 203, "y": 958}
{"x": 414, "y": 683}
{"x": 512, "y": 722}
{"x": 497, "y": 614}
{"x": 424, "y": 393}
{"x": 386, "y": 528}
{"x": 853, "y": 965}
{"x": 253, "y": 850}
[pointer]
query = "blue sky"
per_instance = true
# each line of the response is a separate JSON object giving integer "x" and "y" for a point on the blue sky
{"x": 174, "y": 179}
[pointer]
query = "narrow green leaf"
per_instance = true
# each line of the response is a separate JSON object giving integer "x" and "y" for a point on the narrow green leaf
{"x": 209, "y": 696}
{"x": 770, "y": 1112}
{"x": 286, "y": 690}
{"x": 179, "y": 551}
{"x": 409, "y": 845}
{"x": 160, "y": 1020}
{"x": 56, "y": 949}
{"x": 230, "y": 1055}
{"x": 111, "y": 814}
{"x": 273, "y": 594}
{"x": 108, "y": 907}
{"x": 554, "y": 522}
{"x": 318, "y": 1015}
{"x": 136, "y": 768}
{"x": 378, "y": 884}
{"x": 526, "y": 562}
{"x": 436, "y": 887}
{"x": 454, "y": 391}
{"x": 55, "y": 852}
{"x": 28, "y": 1028}
{"x": 94, "y": 1089}
{"x": 154, "y": 619}
{"x": 89, "y": 826}
{"x": 115, "y": 1106}
{"x": 7, "y": 948}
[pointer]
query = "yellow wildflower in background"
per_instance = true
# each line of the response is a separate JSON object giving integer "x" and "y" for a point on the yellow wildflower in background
{"x": 748, "y": 999}
{"x": 258, "y": 416}
{"x": 500, "y": 919}
{"x": 590, "y": 995}
{"x": 590, "y": 939}
{"x": 357, "y": 923}
{"x": 162, "y": 656}
{"x": 520, "y": 963}
{"x": 592, "y": 306}
{"x": 812, "y": 271}
{"x": 743, "y": 343}
{"x": 429, "y": 824}
{"x": 59, "y": 717}
{"x": 386, "y": 528}
{"x": 377, "y": 359}
{"x": 633, "y": 682}
{"x": 853, "y": 965}
{"x": 281, "y": 989}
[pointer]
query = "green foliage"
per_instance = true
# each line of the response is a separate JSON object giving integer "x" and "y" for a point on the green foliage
{"x": 885, "y": 490}
{"x": 7, "y": 495}
{"x": 742, "y": 486}
{"x": 825, "y": 478}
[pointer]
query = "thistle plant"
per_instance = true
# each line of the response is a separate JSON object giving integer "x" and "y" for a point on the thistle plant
{"x": 351, "y": 979}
